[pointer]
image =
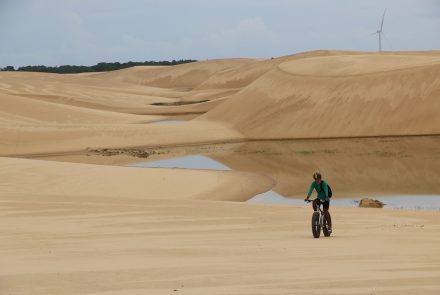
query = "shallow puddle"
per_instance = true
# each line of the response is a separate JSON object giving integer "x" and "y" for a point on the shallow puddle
{"x": 399, "y": 201}
{"x": 188, "y": 162}
{"x": 354, "y": 167}
{"x": 412, "y": 202}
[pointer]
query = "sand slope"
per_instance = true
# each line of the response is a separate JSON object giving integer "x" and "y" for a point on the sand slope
{"x": 181, "y": 76}
{"x": 84, "y": 91}
{"x": 339, "y": 96}
{"x": 36, "y": 111}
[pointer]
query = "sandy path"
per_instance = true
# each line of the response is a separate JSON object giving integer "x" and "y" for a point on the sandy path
{"x": 85, "y": 245}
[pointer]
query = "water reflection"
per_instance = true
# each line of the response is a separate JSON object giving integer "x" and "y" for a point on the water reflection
{"x": 203, "y": 162}
{"x": 425, "y": 202}
{"x": 355, "y": 168}
{"x": 188, "y": 162}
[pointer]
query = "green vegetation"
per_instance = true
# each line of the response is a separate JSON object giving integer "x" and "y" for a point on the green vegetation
{"x": 100, "y": 67}
{"x": 387, "y": 154}
{"x": 330, "y": 152}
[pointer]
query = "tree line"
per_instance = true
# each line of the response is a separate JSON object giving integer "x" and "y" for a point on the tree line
{"x": 100, "y": 67}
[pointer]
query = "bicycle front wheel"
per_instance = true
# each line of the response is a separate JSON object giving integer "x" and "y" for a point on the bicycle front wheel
{"x": 316, "y": 225}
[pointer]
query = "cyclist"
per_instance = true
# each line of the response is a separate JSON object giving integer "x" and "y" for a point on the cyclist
{"x": 321, "y": 188}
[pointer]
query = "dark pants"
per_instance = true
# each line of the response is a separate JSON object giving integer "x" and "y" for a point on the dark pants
{"x": 326, "y": 206}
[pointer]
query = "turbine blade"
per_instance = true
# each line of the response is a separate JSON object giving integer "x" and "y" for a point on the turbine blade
{"x": 383, "y": 18}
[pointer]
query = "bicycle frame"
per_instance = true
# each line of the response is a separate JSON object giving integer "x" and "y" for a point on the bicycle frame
{"x": 318, "y": 222}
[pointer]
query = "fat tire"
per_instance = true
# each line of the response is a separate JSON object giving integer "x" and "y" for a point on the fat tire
{"x": 325, "y": 225}
{"x": 316, "y": 226}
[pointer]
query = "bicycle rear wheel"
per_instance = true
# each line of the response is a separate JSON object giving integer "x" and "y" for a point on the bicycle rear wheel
{"x": 326, "y": 224}
{"x": 316, "y": 226}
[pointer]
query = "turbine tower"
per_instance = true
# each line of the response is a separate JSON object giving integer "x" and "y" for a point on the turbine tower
{"x": 379, "y": 32}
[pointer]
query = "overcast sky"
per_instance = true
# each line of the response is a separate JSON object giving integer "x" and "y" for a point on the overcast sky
{"x": 85, "y": 32}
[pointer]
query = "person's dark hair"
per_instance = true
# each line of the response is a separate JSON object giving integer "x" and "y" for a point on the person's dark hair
{"x": 317, "y": 175}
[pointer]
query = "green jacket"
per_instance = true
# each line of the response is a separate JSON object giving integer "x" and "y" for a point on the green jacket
{"x": 322, "y": 193}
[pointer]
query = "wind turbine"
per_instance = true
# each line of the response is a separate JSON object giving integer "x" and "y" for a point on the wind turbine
{"x": 379, "y": 32}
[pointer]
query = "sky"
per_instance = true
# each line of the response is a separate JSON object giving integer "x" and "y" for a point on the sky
{"x": 85, "y": 32}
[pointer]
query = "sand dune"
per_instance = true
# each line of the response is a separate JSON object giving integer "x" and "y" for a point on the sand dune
{"x": 84, "y": 91}
{"x": 126, "y": 90}
{"x": 355, "y": 95}
{"x": 308, "y": 95}
{"x": 49, "y": 113}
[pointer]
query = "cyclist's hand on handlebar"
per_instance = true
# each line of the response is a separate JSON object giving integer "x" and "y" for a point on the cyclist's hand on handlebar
{"x": 306, "y": 200}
